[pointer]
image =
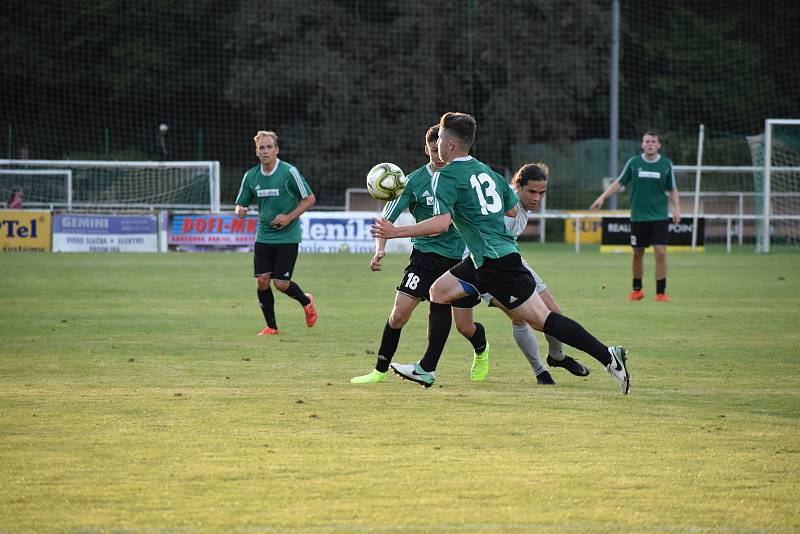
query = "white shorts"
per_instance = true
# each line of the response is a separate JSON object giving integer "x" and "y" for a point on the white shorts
{"x": 540, "y": 285}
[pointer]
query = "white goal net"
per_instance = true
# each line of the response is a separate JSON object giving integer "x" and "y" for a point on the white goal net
{"x": 776, "y": 154}
{"x": 113, "y": 185}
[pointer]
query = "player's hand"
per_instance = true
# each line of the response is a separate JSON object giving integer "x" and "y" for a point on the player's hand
{"x": 280, "y": 221}
{"x": 383, "y": 228}
{"x": 241, "y": 211}
{"x": 375, "y": 262}
{"x": 676, "y": 217}
{"x": 596, "y": 205}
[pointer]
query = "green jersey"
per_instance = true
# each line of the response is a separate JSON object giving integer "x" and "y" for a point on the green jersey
{"x": 477, "y": 199}
{"x": 418, "y": 198}
{"x": 647, "y": 182}
{"x": 275, "y": 193}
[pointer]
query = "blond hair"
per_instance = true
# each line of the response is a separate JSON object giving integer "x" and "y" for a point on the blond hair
{"x": 265, "y": 133}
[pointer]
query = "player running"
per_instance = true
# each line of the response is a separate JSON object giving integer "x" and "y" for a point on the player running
{"x": 430, "y": 257}
{"x": 471, "y": 195}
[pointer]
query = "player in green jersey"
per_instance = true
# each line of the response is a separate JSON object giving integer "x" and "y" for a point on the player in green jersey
{"x": 472, "y": 196}
{"x": 648, "y": 178}
{"x": 282, "y": 195}
{"x": 431, "y": 256}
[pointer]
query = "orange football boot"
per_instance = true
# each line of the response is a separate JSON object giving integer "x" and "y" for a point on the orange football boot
{"x": 311, "y": 313}
{"x": 636, "y": 294}
{"x": 267, "y": 331}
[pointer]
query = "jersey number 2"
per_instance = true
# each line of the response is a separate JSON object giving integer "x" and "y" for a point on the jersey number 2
{"x": 485, "y": 188}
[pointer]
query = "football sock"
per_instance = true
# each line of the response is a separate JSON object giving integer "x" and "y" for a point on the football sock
{"x": 267, "y": 302}
{"x": 637, "y": 284}
{"x": 439, "y": 321}
{"x": 554, "y": 348}
{"x": 661, "y": 285}
{"x": 574, "y": 335}
{"x": 526, "y": 341}
{"x": 478, "y": 339}
{"x": 389, "y": 342}
{"x": 297, "y": 294}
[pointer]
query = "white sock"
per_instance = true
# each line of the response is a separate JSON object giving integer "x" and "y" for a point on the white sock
{"x": 554, "y": 348}
{"x": 526, "y": 341}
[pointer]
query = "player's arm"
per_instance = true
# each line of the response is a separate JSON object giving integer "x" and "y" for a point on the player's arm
{"x": 243, "y": 198}
{"x": 380, "y": 252}
{"x": 613, "y": 188}
{"x": 675, "y": 198}
{"x": 283, "y": 219}
{"x": 438, "y": 224}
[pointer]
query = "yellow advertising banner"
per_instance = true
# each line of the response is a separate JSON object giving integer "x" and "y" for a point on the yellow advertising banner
{"x": 590, "y": 227}
{"x": 25, "y": 231}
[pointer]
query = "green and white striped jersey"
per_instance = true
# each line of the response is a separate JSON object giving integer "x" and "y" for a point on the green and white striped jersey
{"x": 647, "y": 182}
{"x": 418, "y": 198}
{"x": 275, "y": 193}
{"x": 477, "y": 198}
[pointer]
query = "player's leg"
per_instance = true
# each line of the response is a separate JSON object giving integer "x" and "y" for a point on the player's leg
{"x": 660, "y": 230}
{"x": 285, "y": 259}
{"x": 475, "y": 334}
{"x": 514, "y": 288}
{"x": 444, "y": 290}
{"x": 404, "y": 306}
{"x": 639, "y": 242}
{"x": 263, "y": 260}
{"x": 555, "y": 349}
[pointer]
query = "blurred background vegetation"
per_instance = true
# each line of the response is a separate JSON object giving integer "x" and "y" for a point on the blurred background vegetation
{"x": 348, "y": 83}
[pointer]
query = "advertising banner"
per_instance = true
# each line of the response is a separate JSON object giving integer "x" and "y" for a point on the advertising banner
{"x": 322, "y": 231}
{"x": 590, "y": 228}
{"x": 24, "y": 231}
{"x": 617, "y": 235}
{"x": 105, "y": 233}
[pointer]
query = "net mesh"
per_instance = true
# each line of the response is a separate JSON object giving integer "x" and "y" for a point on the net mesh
{"x": 784, "y": 181}
{"x": 348, "y": 83}
{"x": 112, "y": 185}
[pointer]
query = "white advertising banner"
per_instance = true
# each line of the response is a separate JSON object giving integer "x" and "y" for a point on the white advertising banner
{"x": 105, "y": 233}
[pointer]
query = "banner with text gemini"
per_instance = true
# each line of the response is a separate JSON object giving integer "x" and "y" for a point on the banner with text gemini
{"x": 105, "y": 233}
{"x": 322, "y": 231}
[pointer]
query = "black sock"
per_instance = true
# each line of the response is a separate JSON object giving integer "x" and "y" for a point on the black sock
{"x": 478, "y": 339}
{"x": 389, "y": 342}
{"x": 267, "y": 302}
{"x": 661, "y": 286}
{"x": 297, "y": 294}
{"x": 439, "y": 320}
{"x": 637, "y": 284}
{"x": 573, "y": 334}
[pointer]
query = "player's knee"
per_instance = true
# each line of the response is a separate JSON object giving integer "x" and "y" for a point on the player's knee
{"x": 398, "y": 319}
{"x": 262, "y": 282}
{"x": 281, "y": 285}
{"x": 465, "y": 328}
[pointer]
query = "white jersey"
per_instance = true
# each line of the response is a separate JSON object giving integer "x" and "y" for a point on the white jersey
{"x": 517, "y": 224}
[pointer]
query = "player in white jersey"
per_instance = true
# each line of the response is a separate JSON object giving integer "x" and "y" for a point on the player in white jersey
{"x": 530, "y": 184}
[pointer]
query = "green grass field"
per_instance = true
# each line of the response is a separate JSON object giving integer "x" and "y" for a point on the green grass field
{"x": 135, "y": 396}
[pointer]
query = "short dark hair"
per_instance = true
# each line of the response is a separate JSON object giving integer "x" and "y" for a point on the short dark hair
{"x": 531, "y": 172}
{"x": 652, "y": 133}
{"x": 461, "y": 126}
{"x": 432, "y": 134}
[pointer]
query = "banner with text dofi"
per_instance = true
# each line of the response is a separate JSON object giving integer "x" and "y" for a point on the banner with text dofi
{"x": 105, "y": 233}
{"x": 24, "y": 231}
{"x": 321, "y": 232}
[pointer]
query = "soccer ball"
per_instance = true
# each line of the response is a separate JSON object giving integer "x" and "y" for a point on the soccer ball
{"x": 386, "y": 181}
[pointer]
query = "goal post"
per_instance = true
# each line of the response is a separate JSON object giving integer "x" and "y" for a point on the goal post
{"x": 776, "y": 154}
{"x": 123, "y": 185}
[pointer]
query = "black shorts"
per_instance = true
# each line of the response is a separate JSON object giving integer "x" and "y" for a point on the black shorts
{"x": 276, "y": 260}
{"x": 646, "y": 233}
{"x": 422, "y": 271}
{"x": 506, "y": 279}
